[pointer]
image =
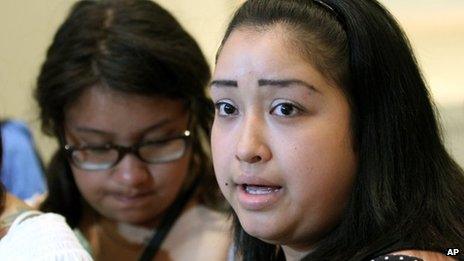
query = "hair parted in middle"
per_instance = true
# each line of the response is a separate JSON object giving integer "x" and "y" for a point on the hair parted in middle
{"x": 130, "y": 46}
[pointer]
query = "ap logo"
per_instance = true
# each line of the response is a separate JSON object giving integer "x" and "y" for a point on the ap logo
{"x": 452, "y": 252}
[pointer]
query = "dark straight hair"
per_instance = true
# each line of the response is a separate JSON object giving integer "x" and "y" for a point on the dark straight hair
{"x": 130, "y": 46}
{"x": 408, "y": 190}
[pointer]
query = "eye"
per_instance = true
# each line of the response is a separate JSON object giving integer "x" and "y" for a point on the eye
{"x": 97, "y": 149}
{"x": 224, "y": 108}
{"x": 285, "y": 109}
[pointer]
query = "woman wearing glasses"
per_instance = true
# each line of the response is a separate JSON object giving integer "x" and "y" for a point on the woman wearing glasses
{"x": 123, "y": 90}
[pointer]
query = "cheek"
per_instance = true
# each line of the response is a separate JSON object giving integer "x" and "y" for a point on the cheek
{"x": 168, "y": 178}
{"x": 323, "y": 146}
{"x": 90, "y": 185}
{"x": 321, "y": 167}
{"x": 219, "y": 142}
{"x": 222, "y": 155}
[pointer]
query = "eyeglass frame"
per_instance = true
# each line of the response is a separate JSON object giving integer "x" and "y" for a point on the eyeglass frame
{"x": 124, "y": 150}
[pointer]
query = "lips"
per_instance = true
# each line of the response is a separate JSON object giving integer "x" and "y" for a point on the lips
{"x": 254, "y": 180}
{"x": 254, "y": 193}
{"x": 133, "y": 199}
{"x": 260, "y": 189}
{"x": 131, "y": 196}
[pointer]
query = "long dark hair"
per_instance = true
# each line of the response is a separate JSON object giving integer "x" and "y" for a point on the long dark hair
{"x": 408, "y": 189}
{"x": 132, "y": 46}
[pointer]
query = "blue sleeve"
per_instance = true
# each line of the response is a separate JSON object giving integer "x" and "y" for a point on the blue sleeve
{"x": 21, "y": 172}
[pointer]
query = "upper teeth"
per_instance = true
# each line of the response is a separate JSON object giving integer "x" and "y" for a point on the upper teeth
{"x": 258, "y": 190}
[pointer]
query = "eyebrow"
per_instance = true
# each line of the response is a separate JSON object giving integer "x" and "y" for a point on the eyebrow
{"x": 224, "y": 83}
{"x": 266, "y": 82}
{"x": 286, "y": 83}
{"x": 148, "y": 129}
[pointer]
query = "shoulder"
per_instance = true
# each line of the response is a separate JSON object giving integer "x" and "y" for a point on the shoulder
{"x": 200, "y": 234}
{"x": 414, "y": 255}
{"x": 12, "y": 210}
{"x": 203, "y": 219}
{"x": 43, "y": 235}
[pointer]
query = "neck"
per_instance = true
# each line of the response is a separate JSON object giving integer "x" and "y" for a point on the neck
{"x": 133, "y": 234}
{"x": 295, "y": 253}
{"x": 93, "y": 223}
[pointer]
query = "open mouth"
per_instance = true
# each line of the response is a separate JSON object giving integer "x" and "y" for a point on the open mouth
{"x": 259, "y": 196}
{"x": 254, "y": 189}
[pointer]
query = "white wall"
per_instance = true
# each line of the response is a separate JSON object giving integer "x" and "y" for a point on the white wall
{"x": 436, "y": 31}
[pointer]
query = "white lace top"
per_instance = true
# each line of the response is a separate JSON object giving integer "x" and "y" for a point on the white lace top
{"x": 37, "y": 236}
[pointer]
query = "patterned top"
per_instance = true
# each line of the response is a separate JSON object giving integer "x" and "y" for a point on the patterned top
{"x": 397, "y": 258}
{"x": 37, "y": 236}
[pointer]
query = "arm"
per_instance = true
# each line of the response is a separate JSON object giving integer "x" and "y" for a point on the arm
{"x": 44, "y": 236}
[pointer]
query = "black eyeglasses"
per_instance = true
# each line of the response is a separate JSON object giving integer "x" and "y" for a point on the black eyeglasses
{"x": 109, "y": 155}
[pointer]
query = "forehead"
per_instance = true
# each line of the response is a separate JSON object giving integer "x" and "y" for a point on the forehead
{"x": 266, "y": 49}
{"x": 104, "y": 108}
{"x": 252, "y": 53}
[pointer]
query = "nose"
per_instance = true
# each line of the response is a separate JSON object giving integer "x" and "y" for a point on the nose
{"x": 252, "y": 146}
{"x": 131, "y": 171}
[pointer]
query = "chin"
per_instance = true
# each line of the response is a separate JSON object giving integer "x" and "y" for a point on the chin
{"x": 137, "y": 219}
{"x": 267, "y": 235}
{"x": 265, "y": 229}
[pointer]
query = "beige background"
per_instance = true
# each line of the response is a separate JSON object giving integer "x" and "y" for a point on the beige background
{"x": 435, "y": 27}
